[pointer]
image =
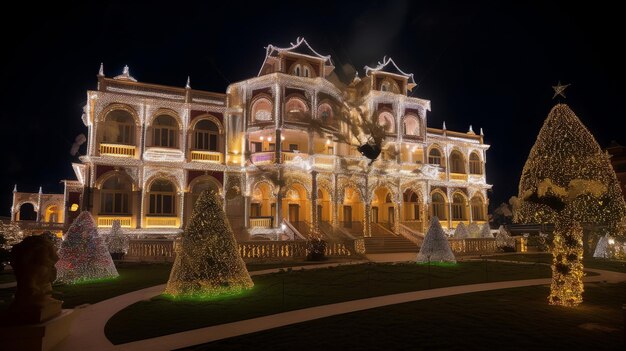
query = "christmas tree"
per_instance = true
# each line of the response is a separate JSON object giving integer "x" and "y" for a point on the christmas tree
{"x": 602, "y": 248}
{"x": 208, "y": 262}
{"x": 435, "y": 247}
{"x": 83, "y": 255}
{"x": 116, "y": 241}
{"x": 474, "y": 230}
{"x": 504, "y": 241}
{"x": 568, "y": 180}
{"x": 461, "y": 231}
{"x": 567, "y": 162}
{"x": 485, "y": 232}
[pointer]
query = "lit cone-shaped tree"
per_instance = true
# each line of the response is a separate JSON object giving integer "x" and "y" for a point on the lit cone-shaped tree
{"x": 602, "y": 248}
{"x": 116, "y": 241}
{"x": 473, "y": 230}
{"x": 567, "y": 155}
{"x": 485, "y": 231}
{"x": 83, "y": 255}
{"x": 461, "y": 231}
{"x": 208, "y": 262}
{"x": 568, "y": 180}
{"x": 435, "y": 247}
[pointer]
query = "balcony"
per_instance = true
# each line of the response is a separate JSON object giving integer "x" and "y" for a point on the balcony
{"x": 117, "y": 150}
{"x": 325, "y": 161}
{"x": 107, "y": 221}
{"x": 460, "y": 177}
{"x": 263, "y": 158}
{"x": 206, "y": 156}
{"x": 293, "y": 157}
{"x": 261, "y": 222}
{"x": 162, "y": 222}
{"x": 163, "y": 154}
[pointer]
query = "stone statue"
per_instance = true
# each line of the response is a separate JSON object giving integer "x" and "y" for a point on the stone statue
{"x": 33, "y": 265}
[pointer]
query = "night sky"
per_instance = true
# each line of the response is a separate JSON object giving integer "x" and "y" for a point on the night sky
{"x": 491, "y": 65}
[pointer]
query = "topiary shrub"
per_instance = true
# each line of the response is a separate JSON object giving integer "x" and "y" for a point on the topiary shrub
{"x": 316, "y": 250}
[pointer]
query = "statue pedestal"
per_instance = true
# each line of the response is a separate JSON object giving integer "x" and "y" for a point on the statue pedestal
{"x": 38, "y": 337}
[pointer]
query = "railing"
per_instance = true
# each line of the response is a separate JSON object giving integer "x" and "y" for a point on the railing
{"x": 458, "y": 176}
{"x": 162, "y": 222}
{"x": 154, "y": 153}
{"x": 150, "y": 250}
{"x": 165, "y": 249}
{"x": 261, "y": 222}
{"x": 410, "y": 234}
{"x": 263, "y": 158}
{"x": 34, "y": 225}
{"x": 118, "y": 150}
{"x": 473, "y": 246}
{"x": 290, "y": 156}
{"x": 107, "y": 221}
{"x": 413, "y": 225}
{"x": 410, "y": 167}
{"x": 206, "y": 156}
{"x": 325, "y": 161}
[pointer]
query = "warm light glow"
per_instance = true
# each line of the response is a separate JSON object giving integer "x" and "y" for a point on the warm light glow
{"x": 74, "y": 208}
{"x": 281, "y": 138}
{"x": 283, "y": 226}
{"x": 327, "y": 141}
{"x": 262, "y": 138}
{"x": 611, "y": 241}
{"x": 269, "y": 139}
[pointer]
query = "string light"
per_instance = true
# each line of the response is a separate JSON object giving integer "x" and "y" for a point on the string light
{"x": 83, "y": 255}
{"x": 461, "y": 231}
{"x": 116, "y": 241}
{"x": 568, "y": 180}
{"x": 208, "y": 262}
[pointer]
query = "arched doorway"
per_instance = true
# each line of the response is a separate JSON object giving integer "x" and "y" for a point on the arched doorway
{"x": 262, "y": 206}
{"x": 324, "y": 206}
{"x": 352, "y": 212}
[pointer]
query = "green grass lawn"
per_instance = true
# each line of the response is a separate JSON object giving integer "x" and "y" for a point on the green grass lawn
{"x": 133, "y": 276}
{"x": 298, "y": 289}
{"x": 511, "y": 319}
{"x": 597, "y": 263}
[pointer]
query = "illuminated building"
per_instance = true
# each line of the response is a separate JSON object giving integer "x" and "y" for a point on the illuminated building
{"x": 152, "y": 149}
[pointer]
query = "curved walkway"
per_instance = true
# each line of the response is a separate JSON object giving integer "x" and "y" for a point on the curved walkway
{"x": 88, "y": 329}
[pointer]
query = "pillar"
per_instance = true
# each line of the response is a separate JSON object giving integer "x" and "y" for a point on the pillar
{"x": 278, "y": 147}
{"x": 314, "y": 214}
{"x": 367, "y": 231}
{"x": 246, "y": 212}
{"x": 449, "y": 215}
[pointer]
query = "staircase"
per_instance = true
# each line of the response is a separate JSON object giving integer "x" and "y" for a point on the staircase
{"x": 384, "y": 241}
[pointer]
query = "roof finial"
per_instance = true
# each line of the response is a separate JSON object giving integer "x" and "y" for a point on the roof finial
{"x": 471, "y": 130}
{"x": 188, "y": 85}
{"x": 481, "y": 132}
{"x": 126, "y": 75}
{"x": 101, "y": 71}
{"x": 15, "y": 188}
{"x": 40, "y": 190}
{"x": 444, "y": 125}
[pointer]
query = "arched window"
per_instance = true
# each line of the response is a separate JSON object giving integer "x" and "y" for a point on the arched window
{"x": 411, "y": 126}
{"x": 295, "y": 105}
{"x": 306, "y": 72}
{"x": 297, "y": 70}
{"x": 475, "y": 166}
{"x": 458, "y": 207}
{"x": 434, "y": 157}
{"x": 162, "y": 198}
{"x": 388, "y": 198}
{"x": 262, "y": 110}
{"x": 478, "y": 213}
{"x": 413, "y": 204}
{"x": 456, "y": 162}
{"x": 325, "y": 113}
{"x": 438, "y": 205}
{"x": 206, "y": 135}
{"x": 115, "y": 196}
{"x": 27, "y": 212}
{"x": 165, "y": 132}
{"x": 390, "y": 86}
{"x": 386, "y": 120}
{"x": 119, "y": 128}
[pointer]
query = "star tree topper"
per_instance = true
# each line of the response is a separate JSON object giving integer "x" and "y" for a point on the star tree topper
{"x": 559, "y": 89}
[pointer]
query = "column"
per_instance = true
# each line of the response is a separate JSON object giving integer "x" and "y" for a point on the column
{"x": 279, "y": 202}
{"x": 367, "y": 231}
{"x": 314, "y": 214}
{"x": 137, "y": 208}
{"x": 278, "y": 147}
{"x": 246, "y": 212}
{"x": 471, "y": 218}
{"x": 449, "y": 215}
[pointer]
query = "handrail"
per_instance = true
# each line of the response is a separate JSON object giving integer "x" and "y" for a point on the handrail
{"x": 410, "y": 234}
{"x": 378, "y": 225}
{"x": 293, "y": 230}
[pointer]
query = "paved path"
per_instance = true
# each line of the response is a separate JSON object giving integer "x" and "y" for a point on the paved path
{"x": 88, "y": 330}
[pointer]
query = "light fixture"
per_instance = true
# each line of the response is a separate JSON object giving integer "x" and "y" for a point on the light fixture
{"x": 283, "y": 226}
{"x": 611, "y": 241}
{"x": 262, "y": 137}
{"x": 282, "y": 137}
{"x": 327, "y": 141}
{"x": 269, "y": 139}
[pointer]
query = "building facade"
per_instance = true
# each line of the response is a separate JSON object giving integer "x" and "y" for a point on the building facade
{"x": 274, "y": 146}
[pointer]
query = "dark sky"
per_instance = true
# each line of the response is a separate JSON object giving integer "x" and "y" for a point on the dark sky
{"x": 488, "y": 64}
